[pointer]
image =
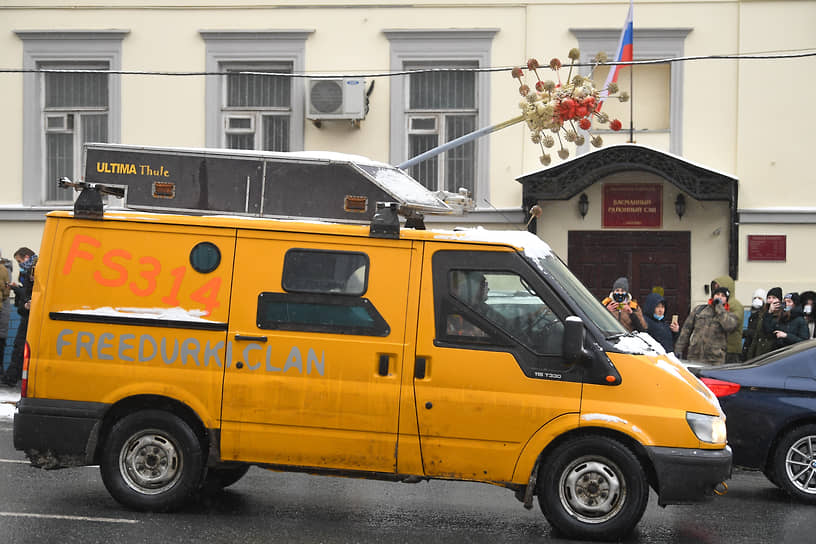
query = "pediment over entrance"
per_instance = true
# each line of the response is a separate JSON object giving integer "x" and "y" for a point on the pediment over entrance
{"x": 571, "y": 177}
{"x": 565, "y": 180}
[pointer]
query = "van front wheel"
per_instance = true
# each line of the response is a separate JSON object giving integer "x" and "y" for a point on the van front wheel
{"x": 152, "y": 461}
{"x": 593, "y": 488}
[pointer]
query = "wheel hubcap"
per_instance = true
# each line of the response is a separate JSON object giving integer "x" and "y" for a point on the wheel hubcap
{"x": 800, "y": 464}
{"x": 150, "y": 462}
{"x": 592, "y": 489}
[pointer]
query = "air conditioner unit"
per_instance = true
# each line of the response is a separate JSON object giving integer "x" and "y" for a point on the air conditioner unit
{"x": 336, "y": 98}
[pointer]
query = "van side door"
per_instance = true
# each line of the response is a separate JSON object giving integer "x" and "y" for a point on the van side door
{"x": 489, "y": 371}
{"x": 316, "y": 335}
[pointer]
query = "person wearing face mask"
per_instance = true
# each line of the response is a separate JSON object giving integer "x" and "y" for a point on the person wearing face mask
{"x": 705, "y": 333}
{"x": 734, "y": 347}
{"x": 26, "y": 260}
{"x": 808, "y": 300}
{"x": 784, "y": 321}
{"x": 663, "y": 330}
{"x": 625, "y": 309}
{"x": 757, "y": 305}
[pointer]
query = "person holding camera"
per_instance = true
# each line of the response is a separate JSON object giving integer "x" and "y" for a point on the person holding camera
{"x": 625, "y": 309}
{"x": 784, "y": 320}
{"x": 705, "y": 333}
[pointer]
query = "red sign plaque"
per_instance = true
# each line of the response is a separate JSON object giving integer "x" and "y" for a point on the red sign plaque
{"x": 628, "y": 205}
{"x": 767, "y": 247}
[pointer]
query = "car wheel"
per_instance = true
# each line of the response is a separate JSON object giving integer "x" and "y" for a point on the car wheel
{"x": 152, "y": 460}
{"x": 219, "y": 478}
{"x": 593, "y": 488}
{"x": 794, "y": 463}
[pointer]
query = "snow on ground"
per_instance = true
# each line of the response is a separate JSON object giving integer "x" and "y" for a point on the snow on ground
{"x": 8, "y": 397}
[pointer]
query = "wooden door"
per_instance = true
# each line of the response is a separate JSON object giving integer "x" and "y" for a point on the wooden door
{"x": 649, "y": 259}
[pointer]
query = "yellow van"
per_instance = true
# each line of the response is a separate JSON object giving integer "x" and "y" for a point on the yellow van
{"x": 175, "y": 351}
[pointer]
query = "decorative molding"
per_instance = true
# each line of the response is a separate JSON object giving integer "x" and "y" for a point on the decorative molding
{"x": 445, "y": 44}
{"x": 789, "y": 216}
{"x": 236, "y": 46}
{"x": 43, "y": 46}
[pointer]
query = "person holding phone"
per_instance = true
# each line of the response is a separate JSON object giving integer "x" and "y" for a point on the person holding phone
{"x": 623, "y": 307}
{"x": 661, "y": 329}
{"x": 784, "y": 320}
{"x": 704, "y": 334}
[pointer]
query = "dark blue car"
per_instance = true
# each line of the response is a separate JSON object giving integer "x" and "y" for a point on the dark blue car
{"x": 770, "y": 405}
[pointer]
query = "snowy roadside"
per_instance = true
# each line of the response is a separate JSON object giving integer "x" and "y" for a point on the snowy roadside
{"x": 8, "y": 398}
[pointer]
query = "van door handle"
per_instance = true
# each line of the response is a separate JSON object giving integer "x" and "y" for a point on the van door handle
{"x": 384, "y": 365}
{"x": 247, "y": 338}
{"x": 419, "y": 368}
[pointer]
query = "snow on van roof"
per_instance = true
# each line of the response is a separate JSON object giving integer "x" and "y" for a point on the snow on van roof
{"x": 533, "y": 246}
{"x": 170, "y": 314}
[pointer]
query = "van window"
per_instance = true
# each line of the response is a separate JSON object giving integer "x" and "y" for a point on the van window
{"x": 320, "y": 313}
{"x": 319, "y": 271}
{"x": 507, "y": 302}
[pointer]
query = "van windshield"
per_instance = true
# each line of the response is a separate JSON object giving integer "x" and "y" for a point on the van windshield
{"x": 554, "y": 267}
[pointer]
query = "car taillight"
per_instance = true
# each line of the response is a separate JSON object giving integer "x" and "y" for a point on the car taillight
{"x": 721, "y": 388}
{"x": 26, "y": 359}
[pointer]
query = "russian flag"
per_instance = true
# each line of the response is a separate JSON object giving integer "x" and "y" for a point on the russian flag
{"x": 624, "y": 52}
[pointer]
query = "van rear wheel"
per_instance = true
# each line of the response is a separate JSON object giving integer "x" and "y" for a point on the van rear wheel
{"x": 152, "y": 461}
{"x": 593, "y": 488}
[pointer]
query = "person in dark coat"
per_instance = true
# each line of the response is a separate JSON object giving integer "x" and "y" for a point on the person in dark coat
{"x": 784, "y": 321}
{"x": 808, "y": 301}
{"x": 661, "y": 329}
{"x": 754, "y": 321}
{"x": 26, "y": 260}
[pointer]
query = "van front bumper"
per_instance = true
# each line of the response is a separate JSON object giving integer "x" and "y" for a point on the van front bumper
{"x": 687, "y": 475}
{"x": 57, "y": 433}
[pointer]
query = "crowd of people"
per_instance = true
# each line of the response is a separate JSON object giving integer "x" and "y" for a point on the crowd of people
{"x": 22, "y": 289}
{"x": 713, "y": 332}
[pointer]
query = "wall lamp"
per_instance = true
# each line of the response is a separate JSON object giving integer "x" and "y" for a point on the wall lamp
{"x": 680, "y": 205}
{"x": 583, "y": 205}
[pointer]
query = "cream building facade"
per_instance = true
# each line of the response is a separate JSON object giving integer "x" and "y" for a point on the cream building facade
{"x": 739, "y": 128}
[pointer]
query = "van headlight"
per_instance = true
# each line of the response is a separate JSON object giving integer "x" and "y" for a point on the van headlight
{"x": 707, "y": 428}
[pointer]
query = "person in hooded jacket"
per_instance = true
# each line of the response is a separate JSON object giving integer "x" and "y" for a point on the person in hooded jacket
{"x": 734, "y": 348}
{"x": 757, "y": 312}
{"x": 705, "y": 332}
{"x": 808, "y": 301}
{"x": 27, "y": 261}
{"x": 623, "y": 307}
{"x": 665, "y": 332}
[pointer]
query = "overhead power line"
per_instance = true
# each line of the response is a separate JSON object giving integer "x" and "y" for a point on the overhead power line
{"x": 752, "y": 56}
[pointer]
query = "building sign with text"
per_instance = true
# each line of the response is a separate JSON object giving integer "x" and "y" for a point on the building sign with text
{"x": 767, "y": 247}
{"x": 632, "y": 205}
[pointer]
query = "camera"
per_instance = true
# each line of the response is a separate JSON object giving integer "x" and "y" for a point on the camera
{"x": 618, "y": 297}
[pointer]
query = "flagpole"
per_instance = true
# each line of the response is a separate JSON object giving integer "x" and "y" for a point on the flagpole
{"x": 631, "y": 104}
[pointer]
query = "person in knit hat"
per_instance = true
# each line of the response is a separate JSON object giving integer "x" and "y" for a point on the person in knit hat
{"x": 763, "y": 341}
{"x": 704, "y": 335}
{"x": 786, "y": 324}
{"x": 623, "y": 307}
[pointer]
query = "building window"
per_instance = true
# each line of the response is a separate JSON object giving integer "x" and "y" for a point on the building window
{"x": 75, "y": 111}
{"x": 255, "y": 111}
{"x": 63, "y": 110}
{"x": 258, "y": 108}
{"x": 657, "y": 90}
{"x": 432, "y": 108}
{"x": 442, "y": 106}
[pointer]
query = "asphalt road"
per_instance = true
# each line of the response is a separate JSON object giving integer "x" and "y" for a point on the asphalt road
{"x": 72, "y": 505}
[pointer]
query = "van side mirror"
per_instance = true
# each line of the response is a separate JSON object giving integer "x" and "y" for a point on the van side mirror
{"x": 573, "y": 346}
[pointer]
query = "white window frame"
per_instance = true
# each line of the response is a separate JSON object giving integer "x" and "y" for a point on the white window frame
{"x": 435, "y": 46}
{"x": 650, "y": 43}
{"x": 62, "y": 46}
{"x": 226, "y": 47}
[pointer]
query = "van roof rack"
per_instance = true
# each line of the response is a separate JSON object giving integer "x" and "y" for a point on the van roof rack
{"x": 309, "y": 185}
{"x": 88, "y": 204}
